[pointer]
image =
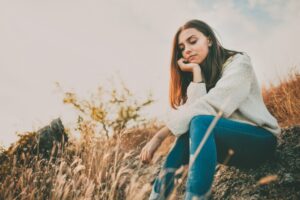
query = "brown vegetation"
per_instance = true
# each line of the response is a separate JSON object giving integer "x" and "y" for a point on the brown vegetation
{"x": 108, "y": 168}
{"x": 283, "y": 101}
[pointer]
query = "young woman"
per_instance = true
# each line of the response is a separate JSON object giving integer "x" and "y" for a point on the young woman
{"x": 207, "y": 79}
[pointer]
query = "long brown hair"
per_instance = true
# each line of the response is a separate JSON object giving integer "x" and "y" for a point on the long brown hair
{"x": 211, "y": 67}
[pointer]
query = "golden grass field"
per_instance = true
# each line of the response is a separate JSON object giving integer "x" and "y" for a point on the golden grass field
{"x": 99, "y": 168}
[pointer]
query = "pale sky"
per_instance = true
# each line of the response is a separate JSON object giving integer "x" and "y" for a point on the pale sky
{"x": 81, "y": 44}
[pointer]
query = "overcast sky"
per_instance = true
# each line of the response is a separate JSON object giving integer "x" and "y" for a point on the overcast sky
{"x": 81, "y": 44}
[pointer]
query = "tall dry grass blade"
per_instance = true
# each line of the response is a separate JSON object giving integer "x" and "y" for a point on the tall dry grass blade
{"x": 229, "y": 155}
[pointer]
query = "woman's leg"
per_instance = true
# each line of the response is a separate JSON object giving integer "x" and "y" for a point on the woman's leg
{"x": 251, "y": 146}
{"x": 177, "y": 157}
{"x": 201, "y": 173}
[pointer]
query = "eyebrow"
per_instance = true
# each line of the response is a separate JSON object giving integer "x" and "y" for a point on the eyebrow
{"x": 186, "y": 39}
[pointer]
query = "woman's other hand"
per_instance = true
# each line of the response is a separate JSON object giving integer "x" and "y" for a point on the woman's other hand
{"x": 149, "y": 149}
{"x": 188, "y": 67}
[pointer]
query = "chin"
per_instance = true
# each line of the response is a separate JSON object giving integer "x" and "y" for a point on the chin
{"x": 197, "y": 62}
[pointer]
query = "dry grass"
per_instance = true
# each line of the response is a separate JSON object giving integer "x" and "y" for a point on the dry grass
{"x": 90, "y": 168}
{"x": 283, "y": 101}
{"x": 109, "y": 169}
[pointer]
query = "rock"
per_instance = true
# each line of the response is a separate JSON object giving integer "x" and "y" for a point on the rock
{"x": 36, "y": 143}
{"x": 32, "y": 146}
{"x": 281, "y": 174}
{"x": 49, "y": 135}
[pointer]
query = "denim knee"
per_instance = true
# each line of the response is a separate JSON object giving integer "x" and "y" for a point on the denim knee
{"x": 200, "y": 122}
{"x": 201, "y": 119}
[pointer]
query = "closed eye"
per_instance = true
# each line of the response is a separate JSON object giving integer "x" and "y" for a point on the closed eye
{"x": 190, "y": 41}
{"x": 193, "y": 42}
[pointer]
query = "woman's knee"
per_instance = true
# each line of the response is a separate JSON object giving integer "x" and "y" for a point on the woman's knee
{"x": 199, "y": 121}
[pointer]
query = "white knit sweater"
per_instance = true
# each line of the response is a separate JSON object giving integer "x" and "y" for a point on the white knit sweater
{"x": 238, "y": 88}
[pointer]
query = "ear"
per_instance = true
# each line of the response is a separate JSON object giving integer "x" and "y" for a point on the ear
{"x": 209, "y": 42}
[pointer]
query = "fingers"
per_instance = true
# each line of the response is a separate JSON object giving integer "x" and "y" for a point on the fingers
{"x": 184, "y": 65}
{"x": 180, "y": 61}
{"x": 143, "y": 156}
{"x": 146, "y": 154}
{"x": 148, "y": 157}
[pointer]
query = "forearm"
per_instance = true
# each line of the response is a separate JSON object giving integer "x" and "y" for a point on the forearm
{"x": 162, "y": 134}
{"x": 197, "y": 76}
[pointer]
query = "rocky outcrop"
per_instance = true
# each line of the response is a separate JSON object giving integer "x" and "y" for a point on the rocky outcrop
{"x": 47, "y": 141}
{"x": 278, "y": 178}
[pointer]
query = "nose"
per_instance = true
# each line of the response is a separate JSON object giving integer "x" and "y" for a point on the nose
{"x": 187, "y": 52}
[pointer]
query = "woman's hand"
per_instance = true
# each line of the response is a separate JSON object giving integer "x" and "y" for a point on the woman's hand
{"x": 149, "y": 149}
{"x": 188, "y": 67}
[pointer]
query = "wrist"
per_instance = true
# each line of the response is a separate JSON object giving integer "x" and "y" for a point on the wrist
{"x": 196, "y": 69}
{"x": 158, "y": 139}
{"x": 197, "y": 76}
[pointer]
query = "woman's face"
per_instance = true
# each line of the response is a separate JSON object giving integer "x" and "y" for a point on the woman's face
{"x": 193, "y": 45}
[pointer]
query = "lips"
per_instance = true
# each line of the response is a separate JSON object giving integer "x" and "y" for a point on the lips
{"x": 191, "y": 57}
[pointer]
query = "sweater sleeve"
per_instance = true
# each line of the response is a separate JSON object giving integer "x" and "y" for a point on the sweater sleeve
{"x": 233, "y": 88}
{"x": 195, "y": 91}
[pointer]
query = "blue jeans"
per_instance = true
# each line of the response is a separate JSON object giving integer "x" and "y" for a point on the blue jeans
{"x": 251, "y": 146}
